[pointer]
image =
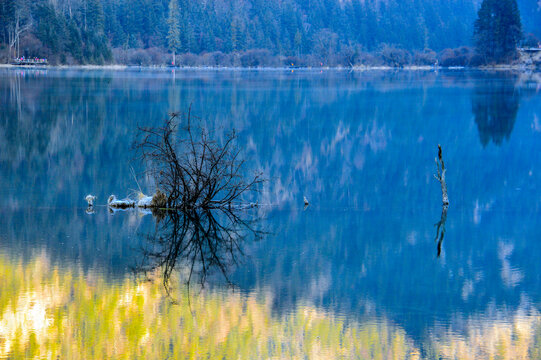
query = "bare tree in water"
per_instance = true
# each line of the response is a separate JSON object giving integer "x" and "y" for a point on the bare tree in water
{"x": 192, "y": 169}
{"x": 202, "y": 191}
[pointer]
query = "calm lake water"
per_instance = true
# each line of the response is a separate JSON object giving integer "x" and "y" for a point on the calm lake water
{"x": 359, "y": 273}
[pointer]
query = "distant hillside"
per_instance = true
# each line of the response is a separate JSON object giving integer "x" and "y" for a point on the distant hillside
{"x": 83, "y": 31}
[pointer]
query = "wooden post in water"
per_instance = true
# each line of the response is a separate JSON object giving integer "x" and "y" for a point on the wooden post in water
{"x": 440, "y": 176}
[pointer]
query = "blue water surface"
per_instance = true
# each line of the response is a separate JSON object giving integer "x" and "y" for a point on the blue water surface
{"x": 360, "y": 146}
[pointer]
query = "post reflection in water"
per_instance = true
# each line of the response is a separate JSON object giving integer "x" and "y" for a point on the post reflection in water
{"x": 440, "y": 229}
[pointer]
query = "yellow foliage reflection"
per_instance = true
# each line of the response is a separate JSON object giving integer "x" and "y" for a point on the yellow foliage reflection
{"x": 51, "y": 312}
{"x": 48, "y": 311}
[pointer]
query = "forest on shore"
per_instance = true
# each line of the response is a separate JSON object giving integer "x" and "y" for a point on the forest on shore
{"x": 253, "y": 33}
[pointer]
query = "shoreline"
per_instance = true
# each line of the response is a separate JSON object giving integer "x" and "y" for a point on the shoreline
{"x": 357, "y": 68}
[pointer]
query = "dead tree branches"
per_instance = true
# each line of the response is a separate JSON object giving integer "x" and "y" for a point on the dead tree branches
{"x": 16, "y": 27}
{"x": 440, "y": 176}
{"x": 202, "y": 183}
{"x": 201, "y": 242}
{"x": 193, "y": 170}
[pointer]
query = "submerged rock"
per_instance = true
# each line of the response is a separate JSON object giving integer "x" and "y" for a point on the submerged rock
{"x": 158, "y": 200}
{"x": 144, "y": 201}
{"x": 120, "y": 204}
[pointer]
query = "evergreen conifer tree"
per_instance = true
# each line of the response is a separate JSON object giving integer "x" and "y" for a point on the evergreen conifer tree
{"x": 498, "y": 30}
{"x": 173, "y": 35}
{"x": 94, "y": 16}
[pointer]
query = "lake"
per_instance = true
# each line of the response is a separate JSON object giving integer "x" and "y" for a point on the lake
{"x": 372, "y": 268}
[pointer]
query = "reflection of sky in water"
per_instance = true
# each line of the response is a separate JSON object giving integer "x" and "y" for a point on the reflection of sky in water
{"x": 359, "y": 146}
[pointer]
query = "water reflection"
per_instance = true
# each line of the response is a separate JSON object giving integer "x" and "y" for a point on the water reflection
{"x": 201, "y": 242}
{"x": 440, "y": 229}
{"x": 60, "y": 311}
{"x": 358, "y": 146}
{"x": 495, "y": 107}
{"x": 60, "y": 133}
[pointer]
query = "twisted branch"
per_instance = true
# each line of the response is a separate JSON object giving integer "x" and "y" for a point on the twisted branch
{"x": 440, "y": 176}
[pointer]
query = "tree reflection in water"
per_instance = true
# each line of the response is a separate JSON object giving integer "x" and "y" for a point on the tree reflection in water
{"x": 198, "y": 244}
{"x": 495, "y": 106}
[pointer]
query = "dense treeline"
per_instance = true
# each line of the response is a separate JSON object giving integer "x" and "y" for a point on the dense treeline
{"x": 66, "y": 31}
{"x": 498, "y": 30}
{"x": 86, "y": 31}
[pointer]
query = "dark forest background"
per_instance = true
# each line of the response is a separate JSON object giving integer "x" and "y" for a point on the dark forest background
{"x": 248, "y": 32}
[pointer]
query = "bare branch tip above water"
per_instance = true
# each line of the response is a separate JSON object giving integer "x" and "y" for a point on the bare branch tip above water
{"x": 440, "y": 176}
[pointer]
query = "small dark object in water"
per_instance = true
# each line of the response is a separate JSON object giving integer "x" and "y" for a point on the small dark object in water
{"x": 159, "y": 200}
{"x": 440, "y": 176}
